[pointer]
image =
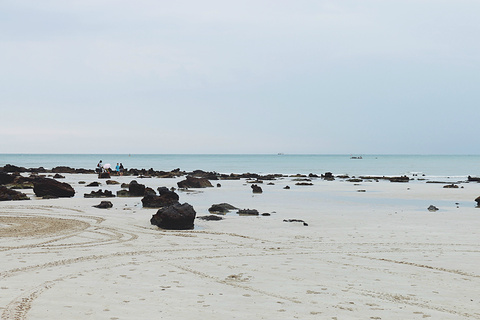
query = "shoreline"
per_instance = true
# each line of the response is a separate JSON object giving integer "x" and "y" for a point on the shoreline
{"x": 376, "y": 254}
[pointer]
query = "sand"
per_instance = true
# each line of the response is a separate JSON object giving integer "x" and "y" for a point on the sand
{"x": 378, "y": 254}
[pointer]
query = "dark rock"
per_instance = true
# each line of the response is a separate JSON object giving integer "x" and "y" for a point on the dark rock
{"x": 451, "y": 186}
{"x": 63, "y": 169}
{"x": 205, "y": 175}
{"x": 255, "y": 181}
{"x": 432, "y": 208}
{"x": 12, "y": 168}
{"x": 221, "y": 208}
{"x": 266, "y": 214}
{"x": 163, "y": 200}
{"x": 248, "y": 212}
{"x": 473, "y": 179}
{"x": 104, "y": 175}
{"x": 304, "y": 184}
{"x": 150, "y": 192}
{"x": 136, "y": 189}
{"x": 312, "y": 175}
{"x": 286, "y": 187}
{"x": 478, "y": 201}
{"x": 44, "y": 187}
{"x": 81, "y": 182}
{"x": 93, "y": 184}
{"x": 210, "y": 218}
{"x": 192, "y": 182}
{"x": 355, "y": 180}
{"x": 219, "y": 185}
{"x": 111, "y": 182}
{"x": 270, "y": 184}
{"x": 175, "y": 217}
{"x": 99, "y": 194}
{"x": 123, "y": 193}
{"x": 6, "y": 178}
{"x": 9, "y": 194}
{"x": 125, "y": 185}
{"x": 256, "y": 189}
{"x": 21, "y": 182}
{"x": 104, "y": 205}
{"x": 399, "y": 179}
{"x": 328, "y": 176}
{"x": 296, "y": 220}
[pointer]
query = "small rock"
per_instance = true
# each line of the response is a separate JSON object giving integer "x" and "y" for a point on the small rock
{"x": 104, "y": 205}
{"x": 248, "y": 212}
{"x": 210, "y": 218}
{"x": 432, "y": 208}
{"x": 256, "y": 189}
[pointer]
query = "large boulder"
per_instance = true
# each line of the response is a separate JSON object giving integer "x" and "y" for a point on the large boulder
{"x": 9, "y": 194}
{"x": 45, "y": 187}
{"x": 166, "y": 198}
{"x": 192, "y": 182}
{"x": 175, "y": 217}
{"x": 136, "y": 189}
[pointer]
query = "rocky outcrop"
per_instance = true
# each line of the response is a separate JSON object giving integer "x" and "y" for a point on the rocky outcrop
{"x": 104, "y": 205}
{"x": 432, "y": 208}
{"x": 478, "y": 201}
{"x": 93, "y": 184}
{"x": 221, "y": 208}
{"x": 9, "y": 194}
{"x": 45, "y": 187}
{"x": 112, "y": 182}
{"x": 99, "y": 194}
{"x": 58, "y": 176}
{"x": 166, "y": 198}
{"x": 175, "y": 217}
{"x": 192, "y": 182}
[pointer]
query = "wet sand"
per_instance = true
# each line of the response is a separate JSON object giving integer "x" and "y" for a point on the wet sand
{"x": 378, "y": 254}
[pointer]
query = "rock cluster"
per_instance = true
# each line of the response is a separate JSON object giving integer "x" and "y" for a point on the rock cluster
{"x": 99, "y": 194}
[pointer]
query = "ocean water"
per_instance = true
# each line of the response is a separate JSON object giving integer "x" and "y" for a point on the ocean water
{"x": 432, "y": 166}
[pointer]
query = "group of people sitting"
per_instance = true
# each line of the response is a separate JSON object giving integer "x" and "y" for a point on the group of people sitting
{"x": 107, "y": 168}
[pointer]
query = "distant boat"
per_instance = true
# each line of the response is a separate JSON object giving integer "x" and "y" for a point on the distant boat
{"x": 280, "y": 153}
{"x": 356, "y": 157}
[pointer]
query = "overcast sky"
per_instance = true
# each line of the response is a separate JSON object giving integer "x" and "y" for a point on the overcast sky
{"x": 320, "y": 76}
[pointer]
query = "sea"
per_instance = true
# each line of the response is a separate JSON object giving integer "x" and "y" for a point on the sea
{"x": 447, "y": 167}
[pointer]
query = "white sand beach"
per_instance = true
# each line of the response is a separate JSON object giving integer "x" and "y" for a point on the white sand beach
{"x": 378, "y": 254}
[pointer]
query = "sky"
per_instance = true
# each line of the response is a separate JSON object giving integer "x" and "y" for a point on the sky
{"x": 305, "y": 77}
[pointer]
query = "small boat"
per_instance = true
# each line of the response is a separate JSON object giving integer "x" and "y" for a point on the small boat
{"x": 356, "y": 157}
